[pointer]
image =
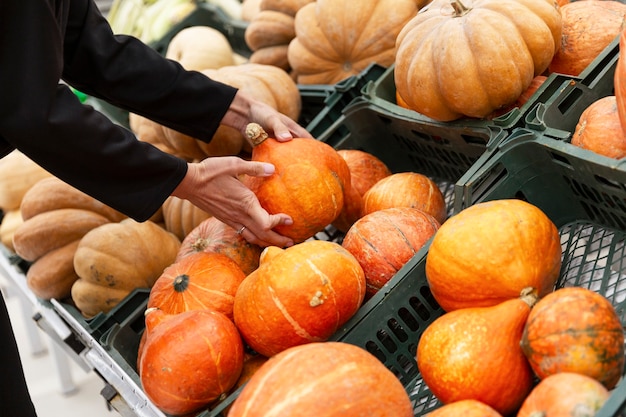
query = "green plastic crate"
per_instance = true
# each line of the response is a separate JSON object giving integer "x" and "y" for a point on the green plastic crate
{"x": 558, "y": 115}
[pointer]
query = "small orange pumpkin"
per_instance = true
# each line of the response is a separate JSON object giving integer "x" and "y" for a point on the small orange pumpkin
{"x": 323, "y": 379}
{"x": 489, "y": 252}
{"x": 565, "y": 394}
{"x": 575, "y": 329}
{"x": 308, "y": 184}
{"x": 298, "y": 295}
{"x": 465, "y": 408}
{"x": 213, "y": 235}
{"x": 383, "y": 241}
{"x": 599, "y": 129}
{"x": 203, "y": 280}
{"x": 189, "y": 359}
{"x": 474, "y": 353}
{"x": 406, "y": 189}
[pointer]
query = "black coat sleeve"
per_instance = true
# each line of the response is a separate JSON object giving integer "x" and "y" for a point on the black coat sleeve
{"x": 44, "y": 41}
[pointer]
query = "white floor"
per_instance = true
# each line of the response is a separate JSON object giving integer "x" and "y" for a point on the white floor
{"x": 57, "y": 391}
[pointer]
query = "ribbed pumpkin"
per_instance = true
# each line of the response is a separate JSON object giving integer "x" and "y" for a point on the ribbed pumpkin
{"x": 565, "y": 394}
{"x": 203, "y": 280}
{"x": 213, "y": 235}
{"x": 474, "y": 353}
{"x": 52, "y": 275}
{"x": 599, "y": 129}
{"x": 620, "y": 81}
{"x": 455, "y": 59}
{"x": 330, "y": 379}
{"x": 588, "y": 28}
{"x": 335, "y": 40}
{"x": 189, "y": 359}
{"x": 308, "y": 184}
{"x": 200, "y": 47}
{"x": 11, "y": 220}
{"x": 17, "y": 173}
{"x": 465, "y": 408}
{"x": 180, "y": 216}
{"x": 365, "y": 171}
{"x": 298, "y": 295}
{"x": 575, "y": 329}
{"x": 383, "y": 241}
{"x": 406, "y": 189}
{"x": 489, "y": 252}
{"x": 115, "y": 258}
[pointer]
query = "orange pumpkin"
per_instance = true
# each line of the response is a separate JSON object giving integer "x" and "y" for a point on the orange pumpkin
{"x": 565, "y": 394}
{"x": 577, "y": 330}
{"x": 308, "y": 184}
{"x": 459, "y": 58}
{"x": 599, "y": 129}
{"x": 524, "y": 98}
{"x": 406, "y": 189}
{"x": 213, "y": 235}
{"x": 588, "y": 27}
{"x": 465, "y": 408}
{"x": 328, "y": 379}
{"x": 474, "y": 353}
{"x": 489, "y": 252}
{"x": 181, "y": 216}
{"x": 298, "y": 295}
{"x": 365, "y": 171}
{"x": 203, "y": 280}
{"x": 620, "y": 81}
{"x": 189, "y": 359}
{"x": 383, "y": 241}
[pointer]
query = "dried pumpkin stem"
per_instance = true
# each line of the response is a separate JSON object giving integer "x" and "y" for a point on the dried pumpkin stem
{"x": 529, "y": 296}
{"x": 255, "y": 134}
{"x": 459, "y": 8}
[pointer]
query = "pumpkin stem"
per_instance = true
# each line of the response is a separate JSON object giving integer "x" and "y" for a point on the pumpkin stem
{"x": 529, "y": 296}
{"x": 255, "y": 134}
{"x": 181, "y": 282}
{"x": 459, "y": 8}
{"x": 200, "y": 244}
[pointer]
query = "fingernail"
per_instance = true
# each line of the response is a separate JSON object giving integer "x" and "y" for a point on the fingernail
{"x": 268, "y": 169}
{"x": 288, "y": 222}
{"x": 284, "y": 135}
{"x": 289, "y": 244}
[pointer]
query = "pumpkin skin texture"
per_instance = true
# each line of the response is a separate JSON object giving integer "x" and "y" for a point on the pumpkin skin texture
{"x": 599, "y": 129}
{"x": 577, "y": 330}
{"x": 298, "y": 295}
{"x": 180, "y": 216}
{"x": 474, "y": 353}
{"x": 588, "y": 28}
{"x": 406, "y": 189}
{"x": 454, "y": 61}
{"x": 18, "y": 173}
{"x": 385, "y": 240}
{"x": 189, "y": 359}
{"x": 620, "y": 81}
{"x": 200, "y": 47}
{"x": 114, "y": 259}
{"x": 563, "y": 395}
{"x": 465, "y": 408}
{"x": 213, "y": 235}
{"x": 204, "y": 280}
{"x": 489, "y": 252}
{"x": 365, "y": 171}
{"x": 329, "y": 379}
{"x": 335, "y": 40}
{"x": 308, "y": 184}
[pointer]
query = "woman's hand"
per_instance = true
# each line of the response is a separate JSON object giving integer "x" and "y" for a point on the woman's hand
{"x": 213, "y": 186}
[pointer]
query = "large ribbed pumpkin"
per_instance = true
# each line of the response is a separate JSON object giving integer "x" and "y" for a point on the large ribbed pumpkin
{"x": 620, "y": 81}
{"x": 474, "y": 354}
{"x": 308, "y": 184}
{"x": 190, "y": 359}
{"x": 213, "y": 235}
{"x": 336, "y": 39}
{"x": 459, "y": 59}
{"x": 203, "y": 280}
{"x": 575, "y": 329}
{"x": 489, "y": 252}
{"x": 329, "y": 379}
{"x": 298, "y": 295}
{"x": 383, "y": 241}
